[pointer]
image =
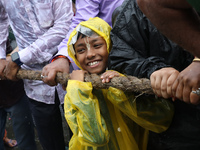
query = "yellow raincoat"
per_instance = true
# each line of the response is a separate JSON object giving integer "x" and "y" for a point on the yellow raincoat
{"x": 110, "y": 119}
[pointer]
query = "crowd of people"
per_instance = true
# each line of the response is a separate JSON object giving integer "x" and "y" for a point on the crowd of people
{"x": 157, "y": 40}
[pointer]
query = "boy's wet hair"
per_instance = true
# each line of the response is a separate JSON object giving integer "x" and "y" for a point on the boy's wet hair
{"x": 80, "y": 35}
{"x": 87, "y": 33}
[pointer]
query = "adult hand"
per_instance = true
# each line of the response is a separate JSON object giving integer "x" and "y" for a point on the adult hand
{"x": 162, "y": 81}
{"x": 49, "y": 71}
{"x": 11, "y": 70}
{"x": 187, "y": 81}
{"x": 3, "y": 64}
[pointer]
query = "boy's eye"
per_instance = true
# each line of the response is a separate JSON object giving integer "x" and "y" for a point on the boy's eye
{"x": 80, "y": 51}
{"x": 97, "y": 45}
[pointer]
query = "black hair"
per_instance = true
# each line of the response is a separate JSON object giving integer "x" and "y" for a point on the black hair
{"x": 80, "y": 35}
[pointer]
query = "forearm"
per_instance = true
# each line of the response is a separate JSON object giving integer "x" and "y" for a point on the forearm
{"x": 146, "y": 5}
{"x": 175, "y": 19}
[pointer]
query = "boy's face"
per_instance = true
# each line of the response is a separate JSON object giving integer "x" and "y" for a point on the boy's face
{"x": 91, "y": 53}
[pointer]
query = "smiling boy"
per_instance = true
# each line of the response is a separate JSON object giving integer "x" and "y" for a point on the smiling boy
{"x": 91, "y": 53}
{"x": 106, "y": 119}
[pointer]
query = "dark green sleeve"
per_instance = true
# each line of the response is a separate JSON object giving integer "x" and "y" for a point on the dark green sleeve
{"x": 195, "y": 4}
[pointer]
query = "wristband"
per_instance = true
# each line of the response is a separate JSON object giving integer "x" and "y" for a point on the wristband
{"x": 15, "y": 58}
{"x": 59, "y": 56}
{"x": 196, "y": 59}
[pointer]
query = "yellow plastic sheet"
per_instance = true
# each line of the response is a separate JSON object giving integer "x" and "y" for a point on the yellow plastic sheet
{"x": 110, "y": 120}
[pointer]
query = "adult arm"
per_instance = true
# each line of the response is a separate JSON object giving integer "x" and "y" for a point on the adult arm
{"x": 145, "y": 59}
{"x": 175, "y": 19}
{"x": 178, "y": 21}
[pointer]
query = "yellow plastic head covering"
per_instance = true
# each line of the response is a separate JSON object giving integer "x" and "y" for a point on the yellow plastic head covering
{"x": 97, "y": 25}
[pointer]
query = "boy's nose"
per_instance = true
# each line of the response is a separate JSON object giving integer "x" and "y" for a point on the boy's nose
{"x": 91, "y": 53}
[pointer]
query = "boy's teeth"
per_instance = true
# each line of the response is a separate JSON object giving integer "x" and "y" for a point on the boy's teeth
{"x": 93, "y": 63}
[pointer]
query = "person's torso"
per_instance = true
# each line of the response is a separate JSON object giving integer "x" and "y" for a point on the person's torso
{"x": 29, "y": 19}
{"x": 106, "y": 9}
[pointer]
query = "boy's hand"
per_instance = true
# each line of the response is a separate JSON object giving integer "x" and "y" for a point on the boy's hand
{"x": 108, "y": 75}
{"x": 78, "y": 75}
